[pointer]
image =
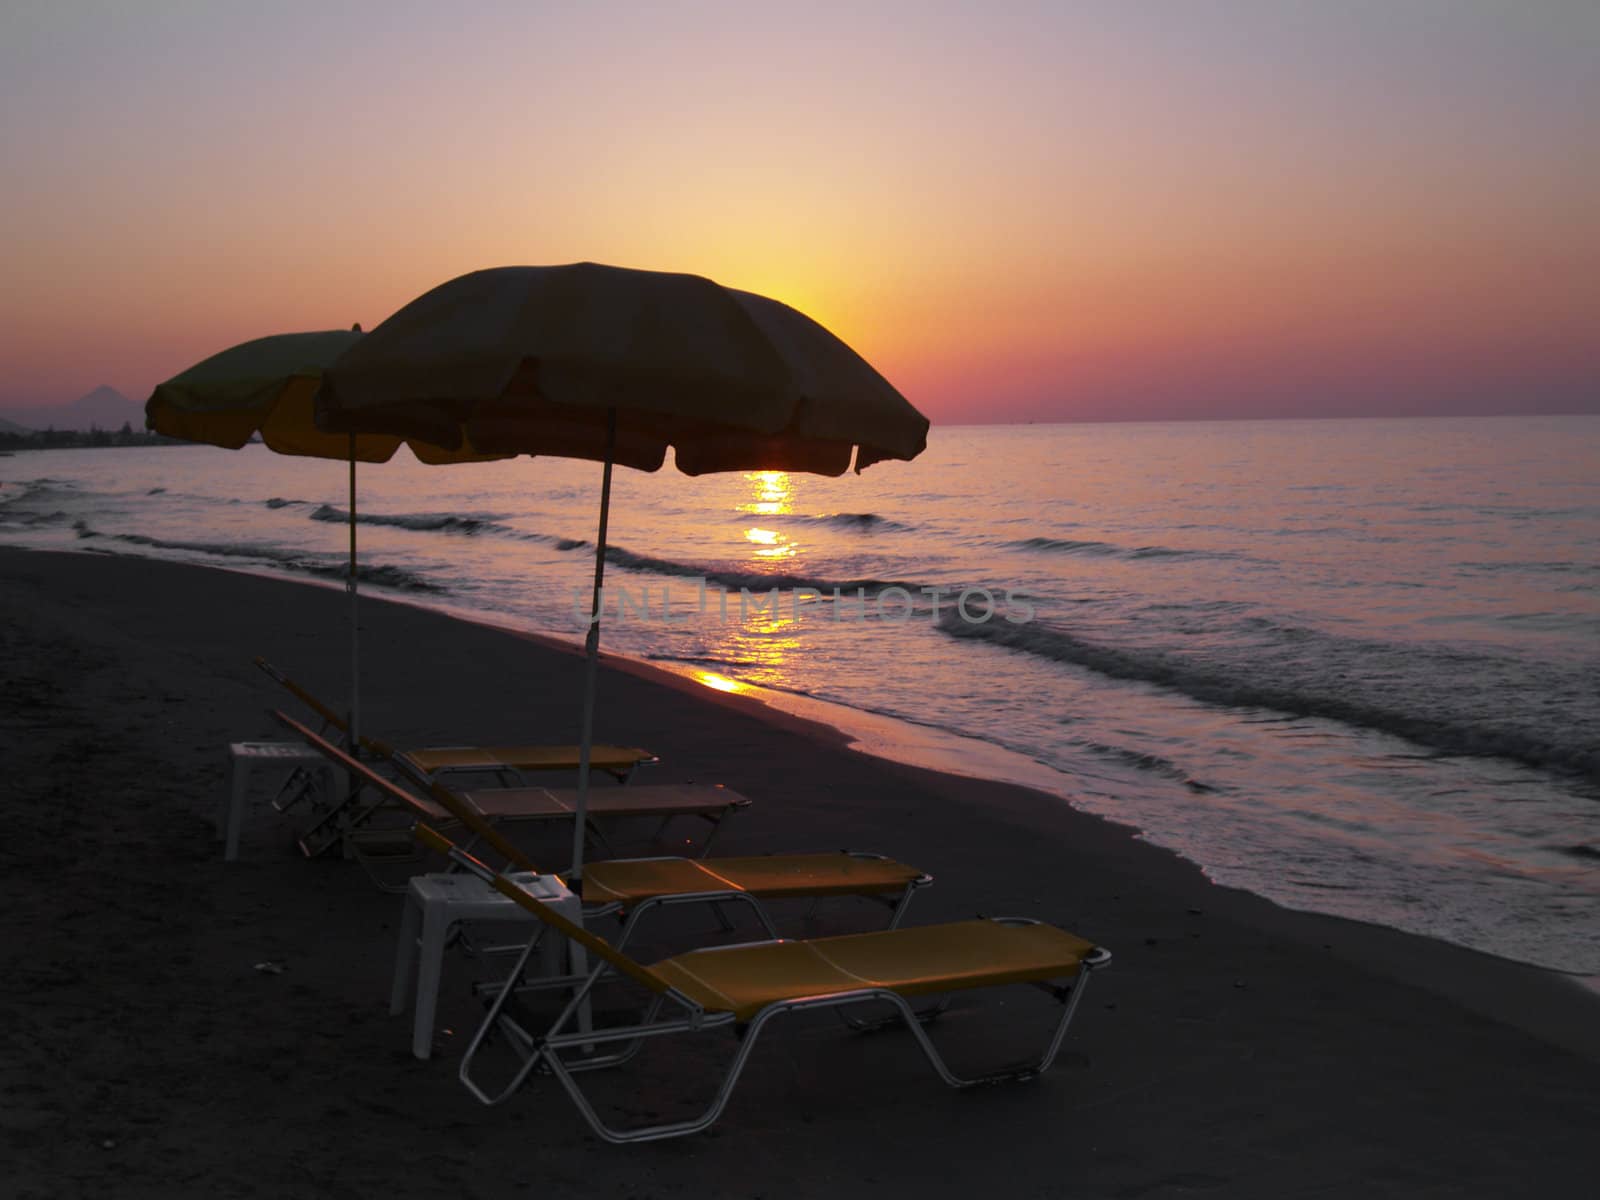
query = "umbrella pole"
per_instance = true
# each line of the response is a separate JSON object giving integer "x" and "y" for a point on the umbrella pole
{"x": 592, "y": 651}
{"x": 355, "y": 628}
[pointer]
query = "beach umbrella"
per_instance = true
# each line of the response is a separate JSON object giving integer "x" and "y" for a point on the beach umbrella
{"x": 265, "y": 387}
{"x": 615, "y": 365}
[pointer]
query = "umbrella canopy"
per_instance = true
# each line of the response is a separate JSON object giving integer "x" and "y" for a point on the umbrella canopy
{"x": 266, "y": 386}
{"x": 532, "y": 359}
{"x": 616, "y": 365}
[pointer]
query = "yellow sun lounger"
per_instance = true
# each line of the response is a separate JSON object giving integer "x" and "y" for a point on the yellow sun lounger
{"x": 481, "y": 810}
{"x": 511, "y": 762}
{"x": 741, "y": 988}
{"x": 631, "y": 887}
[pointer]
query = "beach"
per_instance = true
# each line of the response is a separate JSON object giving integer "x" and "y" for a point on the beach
{"x": 1233, "y": 1048}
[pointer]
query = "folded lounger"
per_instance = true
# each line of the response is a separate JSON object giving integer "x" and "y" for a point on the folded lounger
{"x": 629, "y": 888}
{"x": 741, "y": 988}
{"x": 511, "y": 762}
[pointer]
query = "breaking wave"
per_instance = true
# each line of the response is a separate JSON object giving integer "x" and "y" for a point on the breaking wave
{"x": 422, "y": 522}
{"x": 373, "y": 574}
{"x": 863, "y": 522}
{"x": 469, "y": 525}
{"x": 1097, "y": 549}
{"x": 732, "y": 579}
{"x": 1310, "y": 674}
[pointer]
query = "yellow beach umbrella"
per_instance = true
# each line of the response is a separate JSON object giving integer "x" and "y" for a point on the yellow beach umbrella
{"x": 266, "y": 387}
{"x": 616, "y": 365}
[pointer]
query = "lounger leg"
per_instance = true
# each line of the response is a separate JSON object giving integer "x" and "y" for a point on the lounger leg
{"x": 716, "y": 828}
{"x": 893, "y": 1020}
{"x": 300, "y": 784}
{"x": 492, "y": 1017}
{"x": 593, "y": 831}
{"x": 645, "y": 906}
{"x": 1024, "y": 1071}
{"x": 903, "y": 903}
{"x": 651, "y": 1133}
{"x": 550, "y": 1053}
{"x": 598, "y": 1062}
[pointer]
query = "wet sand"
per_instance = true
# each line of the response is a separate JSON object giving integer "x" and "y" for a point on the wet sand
{"x": 1233, "y": 1048}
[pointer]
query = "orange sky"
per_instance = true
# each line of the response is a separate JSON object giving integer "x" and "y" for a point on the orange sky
{"x": 1015, "y": 211}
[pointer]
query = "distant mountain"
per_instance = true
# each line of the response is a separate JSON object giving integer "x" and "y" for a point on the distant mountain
{"x": 13, "y": 427}
{"x": 103, "y": 408}
{"x": 109, "y": 408}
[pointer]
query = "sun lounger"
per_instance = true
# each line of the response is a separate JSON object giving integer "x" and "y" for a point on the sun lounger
{"x": 508, "y": 762}
{"x": 482, "y": 810}
{"x": 631, "y": 887}
{"x": 741, "y": 988}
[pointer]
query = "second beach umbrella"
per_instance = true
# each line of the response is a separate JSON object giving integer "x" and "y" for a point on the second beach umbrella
{"x": 615, "y": 365}
{"x": 266, "y": 387}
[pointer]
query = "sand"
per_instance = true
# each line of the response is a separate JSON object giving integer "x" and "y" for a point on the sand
{"x": 1232, "y": 1049}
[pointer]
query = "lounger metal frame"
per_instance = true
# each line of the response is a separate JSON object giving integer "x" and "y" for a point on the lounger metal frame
{"x": 632, "y": 916}
{"x": 368, "y": 794}
{"x": 334, "y": 824}
{"x": 546, "y": 1051}
{"x": 481, "y": 827}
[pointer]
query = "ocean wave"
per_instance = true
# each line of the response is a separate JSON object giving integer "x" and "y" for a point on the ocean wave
{"x": 280, "y": 502}
{"x": 26, "y": 519}
{"x": 1061, "y": 546}
{"x": 23, "y": 491}
{"x": 464, "y": 524}
{"x": 1154, "y": 763}
{"x": 1197, "y": 606}
{"x": 694, "y": 660}
{"x": 469, "y": 524}
{"x": 379, "y": 575}
{"x": 864, "y": 522}
{"x": 1308, "y": 682}
{"x": 733, "y": 579}
{"x": 369, "y": 573}
{"x": 1560, "y": 567}
{"x": 1097, "y": 549}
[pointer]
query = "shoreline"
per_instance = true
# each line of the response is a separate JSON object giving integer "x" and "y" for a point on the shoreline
{"x": 1266, "y": 1050}
{"x": 1574, "y": 1032}
{"x": 933, "y": 750}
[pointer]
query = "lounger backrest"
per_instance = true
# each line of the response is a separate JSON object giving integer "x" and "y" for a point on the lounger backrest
{"x": 329, "y": 717}
{"x": 633, "y": 969}
{"x": 447, "y": 799}
{"x": 317, "y": 706}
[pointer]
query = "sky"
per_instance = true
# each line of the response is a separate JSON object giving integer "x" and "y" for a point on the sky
{"x": 1015, "y": 211}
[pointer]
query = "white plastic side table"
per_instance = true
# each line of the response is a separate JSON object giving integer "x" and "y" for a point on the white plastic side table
{"x": 245, "y": 757}
{"x": 436, "y": 904}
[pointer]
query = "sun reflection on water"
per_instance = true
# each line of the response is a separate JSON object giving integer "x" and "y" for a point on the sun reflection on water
{"x": 720, "y": 682}
{"x": 774, "y": 494}
{"x": 773, "y": 544}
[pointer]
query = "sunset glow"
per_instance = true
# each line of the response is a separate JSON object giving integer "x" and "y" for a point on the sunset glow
{"x": 1016, "y": 212}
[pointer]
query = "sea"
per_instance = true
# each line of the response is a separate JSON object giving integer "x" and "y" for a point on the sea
{"x": 1350, "y": 665}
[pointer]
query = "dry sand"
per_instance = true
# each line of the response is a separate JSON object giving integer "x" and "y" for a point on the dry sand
{"x": 1232, "y": 1049}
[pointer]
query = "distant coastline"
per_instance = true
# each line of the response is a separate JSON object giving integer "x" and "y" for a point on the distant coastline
{"x": 78, "y": 439}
